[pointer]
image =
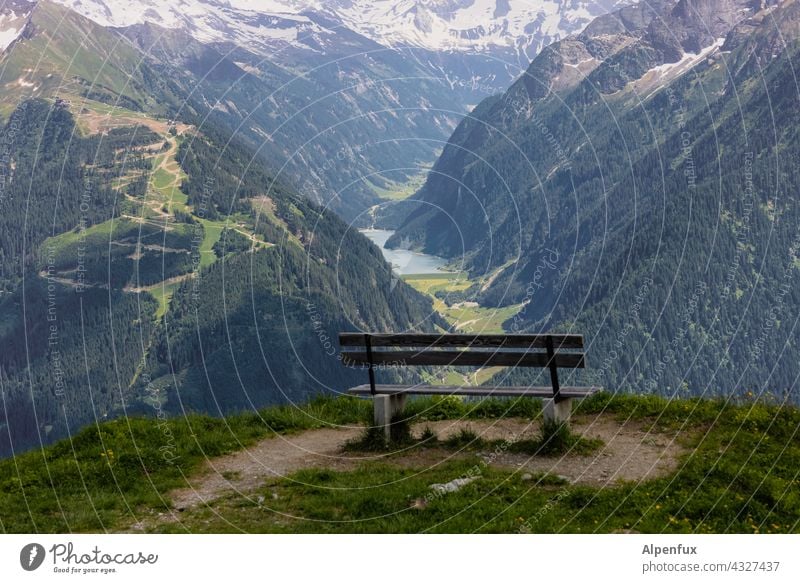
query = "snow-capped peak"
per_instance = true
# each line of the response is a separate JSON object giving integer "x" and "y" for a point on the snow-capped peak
{"x": 466, "y": 26}
{"x": 469, "y": 25}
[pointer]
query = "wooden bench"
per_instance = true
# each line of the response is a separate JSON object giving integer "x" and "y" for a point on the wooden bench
{"x": 552, "y": 351}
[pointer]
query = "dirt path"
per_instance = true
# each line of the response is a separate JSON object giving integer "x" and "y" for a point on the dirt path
{"x": 272, "y": 457}
{"x": 630, "y": 453}
{"x": 96, "y": 122}
{"x": 146, "y": 288}
{"x": 490, "y": 280}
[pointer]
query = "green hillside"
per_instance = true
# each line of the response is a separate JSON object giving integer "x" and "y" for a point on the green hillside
{"x": 62, "y": 53}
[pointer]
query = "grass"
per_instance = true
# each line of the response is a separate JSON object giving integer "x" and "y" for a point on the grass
{"x": 439, "y": 408}
{"x": 163, "y": 295}
{"x": 466, "y": 318}
{"x": 430, "y": 283}
{"x": 162, "y": 179}
{"x": 457, "y": 376}
{"x": 212, "y": 231}
{"x": 372, "y": 439}
{"x": 108, "y": 474}
{"x": 739, "y": 475}
{"x": 98, "y": 234}
{"x": 400, "y": 190}
{"x": 556, "y": 439}
{"x": 466, "y": 439}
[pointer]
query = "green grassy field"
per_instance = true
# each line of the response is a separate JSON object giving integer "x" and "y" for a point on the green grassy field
{"x": 162, "y": 179}
{"x": 212, "y": 231}
{"x": 163, "y": 294}
{"x": 467, "y": 318}
{"x": 400, "y": 190}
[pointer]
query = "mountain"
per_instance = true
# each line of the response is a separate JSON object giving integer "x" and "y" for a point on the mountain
{"x": 151, "y": 261}
{"x": 372, "y": 88}
{"x": 638, "y": 185}
{"x": 490, "y": 41}
{"x": 346, "y": 131}
{"x": 492, "y": 27}
{"x": 375, "y": 116}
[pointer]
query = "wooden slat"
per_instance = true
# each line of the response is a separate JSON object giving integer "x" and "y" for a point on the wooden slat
{"x": 479, "y": 391}
{"x": 563, "y": 341}
{"x": 466, "y": 358}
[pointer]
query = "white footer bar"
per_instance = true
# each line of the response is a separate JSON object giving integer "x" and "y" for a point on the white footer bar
{"x": 399, "y": 558}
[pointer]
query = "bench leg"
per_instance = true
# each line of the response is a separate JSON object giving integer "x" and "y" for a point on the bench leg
{"x": 557, "y": 412}
{"x": 385, "y": 407}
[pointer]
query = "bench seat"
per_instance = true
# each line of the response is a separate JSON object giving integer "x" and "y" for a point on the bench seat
{"x": 476, "y": 391}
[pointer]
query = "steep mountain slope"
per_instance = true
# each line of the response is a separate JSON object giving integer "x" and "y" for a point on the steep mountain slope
{"x": 345, "y": 130}
{"x": 638, "y": 184}
{"x": 151, "y": 261}
{"x": 60, "y": 52}
{"x": 348, "y": 127}
{"x": 128, "y": 298}
{"x": 484, "y": 43}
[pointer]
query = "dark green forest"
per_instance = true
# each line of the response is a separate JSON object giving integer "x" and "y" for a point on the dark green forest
{"x": 260, "y": 326}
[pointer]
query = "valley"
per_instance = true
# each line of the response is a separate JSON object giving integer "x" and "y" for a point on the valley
{"x": 431, "y": 275}
{"x": 197, "y": 198}
{"x": 405, "y": 262}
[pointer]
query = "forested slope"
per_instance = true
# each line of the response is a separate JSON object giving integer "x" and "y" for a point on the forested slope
{"x": 641, "y": 180}
{"x": 164, "y": 270}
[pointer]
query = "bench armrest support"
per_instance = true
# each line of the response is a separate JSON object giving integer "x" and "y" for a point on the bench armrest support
{"x": 370, "y": 364}
{"x": 551, "y": 364}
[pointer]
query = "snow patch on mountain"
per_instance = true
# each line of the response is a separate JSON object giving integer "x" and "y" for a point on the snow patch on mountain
{"x": 8, "y": 35}
{"x": 466, "y": 26}
{"x": 657, "y": 77}
{"x": 687, "y": 60}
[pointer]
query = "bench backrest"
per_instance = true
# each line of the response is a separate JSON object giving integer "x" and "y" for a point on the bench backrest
{"x": 527, "y": 350}
{"x": 553, "y": 351}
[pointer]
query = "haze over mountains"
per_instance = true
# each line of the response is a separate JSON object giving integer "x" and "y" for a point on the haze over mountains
{"x": 379, "y": 85}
